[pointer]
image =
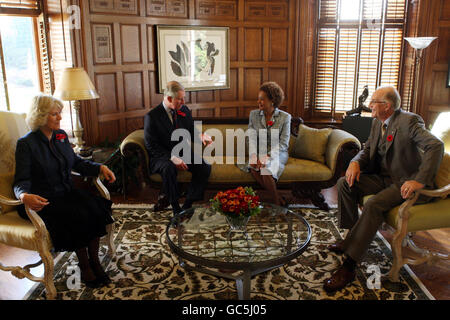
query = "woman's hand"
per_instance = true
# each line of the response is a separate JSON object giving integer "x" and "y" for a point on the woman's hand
{"x": 108, "y": 174}
{"x": 263, "y": 161}
{"x": 253, "y": 161}
{"x": 33, "y": 201}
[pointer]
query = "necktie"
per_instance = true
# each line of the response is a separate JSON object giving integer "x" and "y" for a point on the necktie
{"x": 383, "y": 129}
{"x": 174, "y": 118}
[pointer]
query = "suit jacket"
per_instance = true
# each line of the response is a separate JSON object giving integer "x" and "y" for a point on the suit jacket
{"x": 38, "y": 170}
{"x": 412, "y": 152}
{"x": 158, "y": 131}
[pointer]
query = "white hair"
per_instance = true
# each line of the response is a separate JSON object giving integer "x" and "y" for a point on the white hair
{"x": 172, "y": 88}
{"x": 40, "y": 107}
{"x": 392, "y": 96}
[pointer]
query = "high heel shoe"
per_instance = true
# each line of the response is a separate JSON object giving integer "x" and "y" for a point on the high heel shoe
{"x": 96, "y": 283}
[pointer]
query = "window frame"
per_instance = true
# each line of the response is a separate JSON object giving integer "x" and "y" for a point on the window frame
{"x": 359, "y": 25}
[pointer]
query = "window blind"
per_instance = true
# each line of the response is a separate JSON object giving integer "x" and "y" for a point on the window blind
{"x": 359, "y": 43}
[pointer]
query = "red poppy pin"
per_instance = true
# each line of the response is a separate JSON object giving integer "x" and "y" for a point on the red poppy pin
{"x": 61, "y": 137}
{"x": 181, "y": 113}
{"x": 269, "y": 123}
{"x": 390, "y": 138}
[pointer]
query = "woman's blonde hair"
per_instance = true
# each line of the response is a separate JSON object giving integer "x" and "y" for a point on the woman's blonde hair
{"x": 39, "y": 110}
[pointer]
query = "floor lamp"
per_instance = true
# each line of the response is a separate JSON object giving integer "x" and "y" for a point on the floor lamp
{"x": 419, "y": 44}
{"x": 75, "y": 85}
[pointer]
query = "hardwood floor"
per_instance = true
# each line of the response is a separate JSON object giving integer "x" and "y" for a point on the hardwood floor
{"x": 435, "y": 278}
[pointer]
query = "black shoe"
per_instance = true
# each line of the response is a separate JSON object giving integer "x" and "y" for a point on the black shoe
{"x": 187, "y": 204}
{"x": 96, "y": 283}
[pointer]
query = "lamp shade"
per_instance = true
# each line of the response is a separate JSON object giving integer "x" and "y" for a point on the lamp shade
{"x": 420, "y": 42}
{"x": 75, "y": 84}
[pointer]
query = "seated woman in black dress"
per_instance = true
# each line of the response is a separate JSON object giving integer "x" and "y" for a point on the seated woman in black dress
{"x": 75, "y": 219}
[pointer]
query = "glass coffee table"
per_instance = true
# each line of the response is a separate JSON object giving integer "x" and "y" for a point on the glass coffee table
{"x": 202, "y": 237}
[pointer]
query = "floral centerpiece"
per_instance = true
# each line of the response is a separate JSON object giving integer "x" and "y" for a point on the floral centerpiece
{"x": 237, "y": 205}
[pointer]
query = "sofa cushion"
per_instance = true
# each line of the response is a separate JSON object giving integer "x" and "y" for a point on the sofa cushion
{"x": 295, "y": 170}
{"x": 311, "y": 143}
{"x": 18, "y": 232}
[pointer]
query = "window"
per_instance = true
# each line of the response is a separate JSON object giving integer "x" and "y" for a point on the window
{"x": 20, "y": 71}
{"x": 359, "y": 43}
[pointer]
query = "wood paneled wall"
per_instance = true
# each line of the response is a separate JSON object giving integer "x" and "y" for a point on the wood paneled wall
{"x": 263, "y": 47}
{"x": 434, "y": 97}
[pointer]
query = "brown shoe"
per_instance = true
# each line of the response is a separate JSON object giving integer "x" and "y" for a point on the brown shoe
{"x": 339, "y": 280}
{"x": 337, "y": 247}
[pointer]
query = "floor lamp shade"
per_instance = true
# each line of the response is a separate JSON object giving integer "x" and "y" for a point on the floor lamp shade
{"x": 75, "y": 84}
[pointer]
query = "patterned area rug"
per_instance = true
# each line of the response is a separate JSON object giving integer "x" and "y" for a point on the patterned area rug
{"x": 145, "y": 268}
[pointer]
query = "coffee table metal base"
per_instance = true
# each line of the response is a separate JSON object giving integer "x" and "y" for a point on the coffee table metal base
{"x": 243, "y": 280}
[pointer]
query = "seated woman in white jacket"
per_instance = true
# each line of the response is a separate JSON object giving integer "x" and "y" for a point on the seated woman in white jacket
{"x": 268, "y": 147}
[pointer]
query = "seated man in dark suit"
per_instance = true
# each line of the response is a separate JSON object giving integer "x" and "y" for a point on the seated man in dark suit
{"x": 159, "y": 124}
{"x": 399, "y": 157}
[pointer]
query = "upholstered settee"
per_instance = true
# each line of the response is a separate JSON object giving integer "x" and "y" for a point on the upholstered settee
{"x": 317, "y": 159}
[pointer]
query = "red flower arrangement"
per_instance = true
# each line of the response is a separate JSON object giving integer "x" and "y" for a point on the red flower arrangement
{"x": 390, "y": 138}
{"x": 181, "y": 113}
{"x": 60, "y": 136}
{"x": 269, "y": 123}
{"x": 239, "y": 202}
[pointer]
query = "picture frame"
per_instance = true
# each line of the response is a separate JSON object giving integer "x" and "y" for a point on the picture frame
{"x": 448, "y": 76}
{"x": 103, "y": 48}
{"x": 198, "y": 57}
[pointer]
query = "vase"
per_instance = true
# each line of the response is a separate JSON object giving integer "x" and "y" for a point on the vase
{"x": 238, "y": 223}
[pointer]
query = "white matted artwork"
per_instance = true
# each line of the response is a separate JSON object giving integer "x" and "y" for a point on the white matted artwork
{"x": 103, "y": 52}
{"x": 197, "y": 57}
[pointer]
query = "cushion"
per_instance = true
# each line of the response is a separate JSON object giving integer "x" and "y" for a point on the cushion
{"x": 443, "y": 174}
{"x": 311, "y": 143}
{"x": 431, "y": 215}
{"x": 18, "y": 232}
{"x": 295, "y": 170}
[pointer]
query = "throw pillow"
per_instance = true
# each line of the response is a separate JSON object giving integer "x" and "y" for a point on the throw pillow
{"x": 311, "y": 143}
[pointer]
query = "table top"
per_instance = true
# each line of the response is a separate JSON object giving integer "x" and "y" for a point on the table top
{"x": 273, "y": 237}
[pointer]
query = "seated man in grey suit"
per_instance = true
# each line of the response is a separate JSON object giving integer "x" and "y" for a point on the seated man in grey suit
{"x": 399, "y": 157}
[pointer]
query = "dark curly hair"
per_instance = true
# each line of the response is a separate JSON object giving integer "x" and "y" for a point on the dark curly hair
{"x": 273, "y": 92}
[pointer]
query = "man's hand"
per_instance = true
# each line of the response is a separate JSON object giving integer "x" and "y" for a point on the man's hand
{"x": 33, "y": 201}
{"x": 409, "y": 187}
{"x": 206, "y": 140}
{"x": 108, "y": 174}
{"x": 179, "y": 163}
{"x": 352, "y": 173}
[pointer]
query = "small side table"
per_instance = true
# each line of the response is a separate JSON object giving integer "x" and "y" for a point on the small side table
{"x": 105, "y": 156}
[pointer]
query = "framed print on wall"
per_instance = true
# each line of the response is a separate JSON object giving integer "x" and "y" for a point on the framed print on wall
{"x": 197, "y": 57}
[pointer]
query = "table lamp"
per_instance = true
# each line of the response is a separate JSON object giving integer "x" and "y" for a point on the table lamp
{"x": 75, "y": 85}
{"x": 419, "y": 44}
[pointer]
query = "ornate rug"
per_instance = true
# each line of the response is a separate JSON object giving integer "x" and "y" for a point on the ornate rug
{"x": 145, "y": 268}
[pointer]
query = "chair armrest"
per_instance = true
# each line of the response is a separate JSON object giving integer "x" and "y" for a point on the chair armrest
{"x": 98, "y": 184}
{"x": 438, "y": 193}
{"x": 35, "y": 219}
{"x": 403, "y": 211}
{"x": 9, "y": 202}
{"x": 134, "y": 142}
{"x": 338, "y": 141}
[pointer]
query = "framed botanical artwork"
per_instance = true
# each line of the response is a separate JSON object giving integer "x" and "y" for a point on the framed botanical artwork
{"x": 197, "y": 57}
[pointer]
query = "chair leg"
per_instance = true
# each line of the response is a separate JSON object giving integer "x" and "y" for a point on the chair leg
{"x": 112, "y": 248}
{"x": 396, "y": 246}
{"x": 47, "y": 259}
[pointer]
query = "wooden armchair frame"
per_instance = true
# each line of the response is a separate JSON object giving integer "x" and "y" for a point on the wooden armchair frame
{"x": 41, "y": 239}
{"x": 403, "y": 238}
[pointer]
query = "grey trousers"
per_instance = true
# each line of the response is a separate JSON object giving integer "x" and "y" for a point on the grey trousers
{"x": 363, "y": 229}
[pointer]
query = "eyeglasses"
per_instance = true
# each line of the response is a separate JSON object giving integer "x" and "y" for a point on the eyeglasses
{"x": 377, "y": 101}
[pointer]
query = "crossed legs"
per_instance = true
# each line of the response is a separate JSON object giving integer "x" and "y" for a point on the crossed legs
{"x": 268, "y": 183}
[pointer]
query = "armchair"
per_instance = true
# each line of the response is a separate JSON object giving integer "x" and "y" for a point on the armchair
{"x": 15, "y": 231}
{"x": 411, "y": 217}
